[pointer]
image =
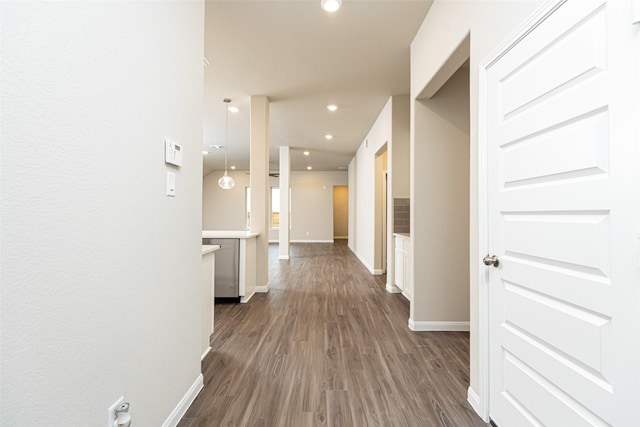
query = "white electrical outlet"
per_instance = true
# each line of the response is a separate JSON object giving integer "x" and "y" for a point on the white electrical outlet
{"x": 111, "y": 412}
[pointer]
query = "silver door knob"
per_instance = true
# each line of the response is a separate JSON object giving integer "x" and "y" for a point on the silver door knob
{"x": 491, "y": 260}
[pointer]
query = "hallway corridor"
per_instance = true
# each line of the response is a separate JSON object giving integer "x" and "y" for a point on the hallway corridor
{"x": 329, "y": 346}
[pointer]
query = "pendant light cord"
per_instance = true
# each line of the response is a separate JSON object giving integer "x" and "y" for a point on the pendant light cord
{"x": 226, "y": 182}
{"x": 226, "y": 132}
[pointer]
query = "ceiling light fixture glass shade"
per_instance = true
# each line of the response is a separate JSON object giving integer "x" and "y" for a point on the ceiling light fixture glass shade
{"x": 226, "y": 182}
{"x": 330, "y": 5}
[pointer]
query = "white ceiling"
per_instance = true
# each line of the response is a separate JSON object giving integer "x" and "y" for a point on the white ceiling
{"x": 303, "y": 59}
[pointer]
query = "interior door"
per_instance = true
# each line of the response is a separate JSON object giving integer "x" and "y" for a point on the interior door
{"x": 562, "y": 132}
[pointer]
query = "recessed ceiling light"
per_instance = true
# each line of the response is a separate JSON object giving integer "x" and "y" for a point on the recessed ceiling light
{"x": 205, "y": 152}
{"x": 234, "y": 109}
{"x": 328, "y": 136}
{"x": 332, "y": 107}
{"x": 309, "y": 168}
{"x": 306, "y": 153}
{"x": 330, "y": 5}
{"x": 217, "y": 146}
{"x": 233, "y": 167}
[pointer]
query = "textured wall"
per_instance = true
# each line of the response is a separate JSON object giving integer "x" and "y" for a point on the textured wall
{"x": 100, "y": 270}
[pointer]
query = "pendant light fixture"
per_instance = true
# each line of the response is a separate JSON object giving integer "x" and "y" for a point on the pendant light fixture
{"x": 226, "y": 182}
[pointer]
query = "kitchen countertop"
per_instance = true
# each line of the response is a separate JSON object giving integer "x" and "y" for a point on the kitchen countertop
{"x": 226, "y": 234}
{"x": 402, "y": 235}
{"x": 209, "y": 248}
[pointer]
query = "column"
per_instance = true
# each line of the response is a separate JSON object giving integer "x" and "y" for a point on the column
{"x": 285, "y": 170}
{"x": 259, "y": 182}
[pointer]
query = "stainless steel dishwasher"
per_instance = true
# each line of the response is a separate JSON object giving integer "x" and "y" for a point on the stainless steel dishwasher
{"x": 227, "y": 273}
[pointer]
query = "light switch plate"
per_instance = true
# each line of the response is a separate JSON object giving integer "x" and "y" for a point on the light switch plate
{"x": 171, "y": 184}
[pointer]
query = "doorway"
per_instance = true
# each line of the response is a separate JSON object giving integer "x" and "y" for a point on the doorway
{"x": 340, "y": 212}
{"x": 440, "y": 207}
{"x": 380, "y": 241}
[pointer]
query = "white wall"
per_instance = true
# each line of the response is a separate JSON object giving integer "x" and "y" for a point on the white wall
{"x": 224, "y": 209}
{"x": 311, "y": 204}
{"x": 353, "y": 207}
{"x": 364, "y": 166}
{"x": 441, "y": 204}
{"x": 400, "y": 149}
{"x": 391, "y": 128}
{"x": 446, "y": 25}
{"x": 100, "y": 270}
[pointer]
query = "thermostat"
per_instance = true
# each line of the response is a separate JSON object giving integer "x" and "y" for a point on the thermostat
{"x": 172, "y": 152}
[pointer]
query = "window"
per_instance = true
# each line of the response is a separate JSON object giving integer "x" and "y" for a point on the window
{"x": 247, "y": 216}
{"x": 275, "y": 207}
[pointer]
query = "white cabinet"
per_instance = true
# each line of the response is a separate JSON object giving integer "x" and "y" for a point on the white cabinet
{"x": 403, "y": 265}
{"x": 207, "y": 273}
{"x": 399, "y": 263}
{"x": 408, "y": 273}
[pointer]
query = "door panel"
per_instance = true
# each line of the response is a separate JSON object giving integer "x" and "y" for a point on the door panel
{"x": 562, "y": 127}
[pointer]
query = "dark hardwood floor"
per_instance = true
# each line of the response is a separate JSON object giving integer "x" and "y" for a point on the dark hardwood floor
{"x": 329, "y": 346}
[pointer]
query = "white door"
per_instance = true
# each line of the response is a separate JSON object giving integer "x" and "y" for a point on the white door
{"x": 562, "y": 132}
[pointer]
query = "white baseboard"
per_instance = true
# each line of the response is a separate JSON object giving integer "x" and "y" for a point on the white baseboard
{"x": 393, "y": 289}
{"x": 305, "y": 241}
{"x": 262, "y": 289}
{"x": 185, "y": 402}
{"x": 407, "y": 295}
{"x": 378, "y": 272}
{"x": 474, "y": 401}
{"x": 205, "y": 353}
{"x": 245, "y": 299}
{"x": 283, "y": 256}
{"x": 420, "y": 326}
{"x": 340, "y": 237}
{"x": 367, "y": 266}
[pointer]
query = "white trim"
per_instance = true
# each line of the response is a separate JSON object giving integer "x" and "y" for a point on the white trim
{"x": 393, "y": 289}
{"x": 262, "y": 289}
{"x": 367, "y": 266}
{"x": 407, "y": 295}
{"x": 340, "y": 237}
{"x": 482, "y": 406}
{"x": 437, "y": 326}
{"x": 205, "y": 353}
{"x": 186, "y": 401}
{"x": 377, "y": 272}
{"x": 482, "y": 403}
{"x": 284, "y": 257}
{"x": 310, "y": 241}
{"x": 245, "y": 299}
{"x": 474, "y": 401}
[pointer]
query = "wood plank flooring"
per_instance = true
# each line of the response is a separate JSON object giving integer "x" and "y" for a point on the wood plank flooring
{"x": 328, "y": 346}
